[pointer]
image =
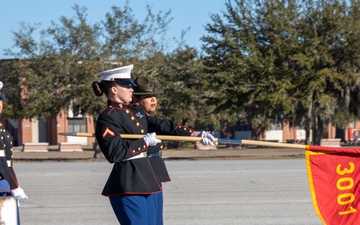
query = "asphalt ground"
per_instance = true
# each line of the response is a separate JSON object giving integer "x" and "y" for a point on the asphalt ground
{"x": 201, "y": 192}
{"x": 169, "y": 154}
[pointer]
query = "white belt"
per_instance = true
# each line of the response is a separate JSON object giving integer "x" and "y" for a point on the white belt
{"x": 141, "y": 155}
{"x": 9, "y": 163}
{"x": 2, "y": 153}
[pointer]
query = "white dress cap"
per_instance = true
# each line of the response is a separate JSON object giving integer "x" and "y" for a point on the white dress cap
{"x": 117, "y": 73}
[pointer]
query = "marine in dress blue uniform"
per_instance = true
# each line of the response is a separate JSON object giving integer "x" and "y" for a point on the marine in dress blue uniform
{"x": 6, "y": 157}
{"x": 6, "y": 166}
{"x": 6, "y": 151}
{"x": 6, "y": 146}
{"x": 132, "y": 182}
{"x": 146, "y": 95}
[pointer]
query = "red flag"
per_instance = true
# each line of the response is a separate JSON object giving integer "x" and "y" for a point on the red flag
{"x": 334, "y": 179}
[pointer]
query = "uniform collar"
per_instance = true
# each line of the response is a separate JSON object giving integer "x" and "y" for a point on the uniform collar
{"x": 116, "y": 104}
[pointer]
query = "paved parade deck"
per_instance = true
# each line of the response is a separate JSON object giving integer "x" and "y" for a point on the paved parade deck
{"x": 256, "y": 186}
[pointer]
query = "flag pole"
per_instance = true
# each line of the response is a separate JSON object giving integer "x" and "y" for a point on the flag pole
{"x": 196, "y": 139}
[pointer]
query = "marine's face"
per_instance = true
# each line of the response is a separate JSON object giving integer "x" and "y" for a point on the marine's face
{"x": 122, "y": 93}
{"x": 148, "y": 102}
{"x": 1, "y": 106}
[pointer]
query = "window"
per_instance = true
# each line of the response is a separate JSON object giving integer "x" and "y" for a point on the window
{"x": 77, "y": 124}
{"x": 275, "y": 126}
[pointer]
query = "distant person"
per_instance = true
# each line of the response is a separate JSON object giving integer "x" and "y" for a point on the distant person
{"x": 132, "y": 182}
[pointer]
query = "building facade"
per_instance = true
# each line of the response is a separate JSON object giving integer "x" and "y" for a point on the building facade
{"x": 35, "y": 131}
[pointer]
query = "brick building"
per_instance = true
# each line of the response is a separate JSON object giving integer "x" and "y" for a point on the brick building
{"x": 47, "y": 130}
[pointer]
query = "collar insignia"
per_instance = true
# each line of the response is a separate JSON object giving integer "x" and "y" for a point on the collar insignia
{"x": 139, "y": 115}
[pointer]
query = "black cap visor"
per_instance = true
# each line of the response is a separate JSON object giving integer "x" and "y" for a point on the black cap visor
{"x": 125, "y": 82}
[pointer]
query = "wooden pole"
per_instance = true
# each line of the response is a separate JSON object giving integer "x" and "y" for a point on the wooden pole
{"x": 196, "y": 139}
{"x": 272, "y": 144}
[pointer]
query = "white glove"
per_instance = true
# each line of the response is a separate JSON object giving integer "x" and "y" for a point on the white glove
{"x": 208, "y": 139}
{"x": 151, "y": 139}
{"x": 19, "y": 193}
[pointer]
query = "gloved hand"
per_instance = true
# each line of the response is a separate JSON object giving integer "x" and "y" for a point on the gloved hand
{"x": 208, "y": 139}
{"x": 150, "y": 139}
{"x": 19, "y": 193}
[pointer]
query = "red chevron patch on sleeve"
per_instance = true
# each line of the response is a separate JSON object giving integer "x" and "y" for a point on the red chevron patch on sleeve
{"x": 108, "y": 131}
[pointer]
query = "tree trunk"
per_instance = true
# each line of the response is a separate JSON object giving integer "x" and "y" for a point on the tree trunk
{"x": 317, "y": 128}
{"x": 340, "y": 133}
{"x": 307, "y": 133}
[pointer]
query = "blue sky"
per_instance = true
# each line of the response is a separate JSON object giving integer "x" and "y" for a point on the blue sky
{"x": 186, "y": 13}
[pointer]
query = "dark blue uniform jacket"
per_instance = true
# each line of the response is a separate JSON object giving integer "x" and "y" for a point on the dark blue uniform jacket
{"x": 136, "y": 176}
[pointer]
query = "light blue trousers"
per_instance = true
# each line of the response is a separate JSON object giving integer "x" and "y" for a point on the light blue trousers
{"x": 138, "y": 209}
